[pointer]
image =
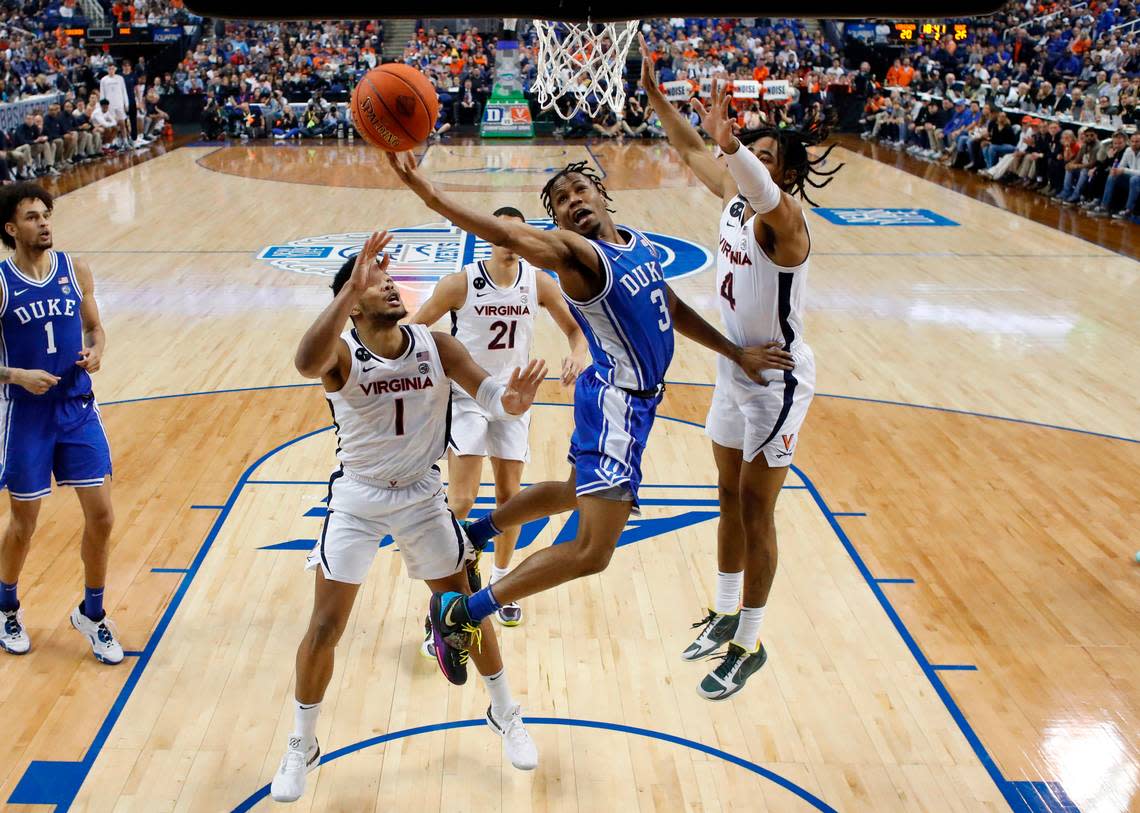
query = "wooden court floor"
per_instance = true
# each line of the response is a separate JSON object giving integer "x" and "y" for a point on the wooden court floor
{"x": 954, "y": 625}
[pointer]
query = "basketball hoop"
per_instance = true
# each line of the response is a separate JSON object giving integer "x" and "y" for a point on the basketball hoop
{"x": 583, "y": 63}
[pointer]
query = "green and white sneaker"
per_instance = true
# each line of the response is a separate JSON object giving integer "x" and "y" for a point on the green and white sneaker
{"x": 718, "y": 631}
{"x": 736, "y": 666}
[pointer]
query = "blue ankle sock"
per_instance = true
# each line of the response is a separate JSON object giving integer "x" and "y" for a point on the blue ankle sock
{"x": 482, "y": 531}
{"x": 8, "y": 600}
{"x": 482, "y": 604}
{"x": 93, "y": 603}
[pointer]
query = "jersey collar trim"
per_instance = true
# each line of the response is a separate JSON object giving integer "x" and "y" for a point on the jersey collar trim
{"x": 404, "y": 329}
{"x": 490, "y": 281}
{"x": 628, "y": 245}
{"x": 40, "y": 283}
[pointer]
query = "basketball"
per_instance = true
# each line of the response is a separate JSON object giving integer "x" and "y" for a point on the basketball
{"x": 394, "y": 107}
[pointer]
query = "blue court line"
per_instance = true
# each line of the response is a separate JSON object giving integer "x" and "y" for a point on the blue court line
{"x": 62, "y": 780}
{"x": 131, "y": 653}
{"x": 57, "y": 783}
{"x": 771, "y": 776}
{"x": 894, "y": 581}
{"x": 849, "y": 514}
{"x": 950, "y": 410}
{"x": 206, "y": 507}
{"x": 170, "y": 570}
{"x": 1009, "y": 790}
{"x": 953, "y": 667}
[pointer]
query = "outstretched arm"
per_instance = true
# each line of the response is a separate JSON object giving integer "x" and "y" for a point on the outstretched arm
{"x": 565, "y": 253}
{"x": 774, "y": 208}
{"x": 683, "y": 137}
{"x": 500, "y": 400}
{"x": 753, "y": 360}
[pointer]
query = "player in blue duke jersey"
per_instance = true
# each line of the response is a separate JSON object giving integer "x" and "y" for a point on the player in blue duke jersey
{"x": 51, "y": 340}
{"x": 611, "y": 276}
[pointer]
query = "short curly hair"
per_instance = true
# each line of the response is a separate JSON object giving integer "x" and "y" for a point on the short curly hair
{"x": 12, "y": 196}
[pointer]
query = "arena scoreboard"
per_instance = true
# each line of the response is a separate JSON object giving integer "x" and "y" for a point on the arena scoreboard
{"x": 928, "y": 31}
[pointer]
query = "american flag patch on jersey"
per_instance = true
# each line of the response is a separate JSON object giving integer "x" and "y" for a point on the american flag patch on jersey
{"x": 423, "y": 355}
{"x": 63, "y": 280}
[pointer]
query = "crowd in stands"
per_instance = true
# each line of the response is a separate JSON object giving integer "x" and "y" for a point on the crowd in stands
{"x": 1046, "y": 97}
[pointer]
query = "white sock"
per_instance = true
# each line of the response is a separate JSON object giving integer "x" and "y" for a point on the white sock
{"x": 498, "y": 573}
{"x": 305, "y": 723}
{"x": 748, "y": 631}
{"x": 728, "y": 587}
{"x": 500, "y": 691}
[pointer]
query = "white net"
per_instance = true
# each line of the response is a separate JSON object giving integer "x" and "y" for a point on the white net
{"x": 580, "y": 66}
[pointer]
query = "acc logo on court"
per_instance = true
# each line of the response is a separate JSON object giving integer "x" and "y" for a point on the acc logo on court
{"x": 422, "y": 255}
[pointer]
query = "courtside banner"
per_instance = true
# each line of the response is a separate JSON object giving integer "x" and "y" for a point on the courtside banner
{"x": 506, "y": 119}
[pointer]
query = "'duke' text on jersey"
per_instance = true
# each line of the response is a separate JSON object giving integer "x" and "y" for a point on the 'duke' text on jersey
{"x": 639, "y": 277}
{"x": 45, "y": 309}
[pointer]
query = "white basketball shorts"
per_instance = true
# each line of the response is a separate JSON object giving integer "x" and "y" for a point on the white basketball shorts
{"x": 756, "y": 419}
{"x": 474, "y": 432}
{"x": 416, "y": 516}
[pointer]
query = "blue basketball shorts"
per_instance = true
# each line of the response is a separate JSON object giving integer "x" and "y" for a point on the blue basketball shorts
{"x": 611, "y": 429}
{"x": 63, "y": 437}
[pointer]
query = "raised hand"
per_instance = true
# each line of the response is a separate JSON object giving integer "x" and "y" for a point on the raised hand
{"x": 406, "y": 169}
{"x": 714, "y": 118}
{"x": 523, "y": 386}
{"x": 366, "y": 272}
{"x": 771, "y": 356}
{"x": 648, "y": 69}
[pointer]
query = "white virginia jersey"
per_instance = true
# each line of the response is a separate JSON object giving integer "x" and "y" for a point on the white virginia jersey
{"x": 391, "y": 416}
{"x": 495, "y": 324}
{"x": 760, "y": 301}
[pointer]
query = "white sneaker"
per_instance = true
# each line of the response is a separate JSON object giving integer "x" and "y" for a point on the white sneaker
{"x": 104, "y": 645}
{"x": 13, "y": 637}
{"x": 517, "y": 744}
{"x": 289, "y": 781}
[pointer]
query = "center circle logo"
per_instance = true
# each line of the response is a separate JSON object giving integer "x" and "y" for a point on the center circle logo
{"x": 423, "y": 255}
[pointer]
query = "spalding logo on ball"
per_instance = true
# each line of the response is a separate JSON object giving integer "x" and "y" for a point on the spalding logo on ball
{"x": 394, "y": 107}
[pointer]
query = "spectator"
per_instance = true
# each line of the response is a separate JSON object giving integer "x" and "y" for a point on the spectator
{"x": 106, "y": 124}
{"x": 1123, "y": 179}
{"x": 17, "y": 155}
{"x": 633, "y": 122}
{"x": 1077, "y": 170}
{"x": 60, "y": 132}
{"x": 87, "y": 146}
{"x": 1002, "y": 140}
{"x": 43, "y": 156}
{"x": 113, "y": 88}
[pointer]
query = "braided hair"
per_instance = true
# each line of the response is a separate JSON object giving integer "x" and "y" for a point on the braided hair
{"x": 793, "y": 156}
{"x": 575, "y": 168}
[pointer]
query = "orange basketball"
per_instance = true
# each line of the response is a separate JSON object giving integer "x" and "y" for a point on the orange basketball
{"x": 394, "y": 107}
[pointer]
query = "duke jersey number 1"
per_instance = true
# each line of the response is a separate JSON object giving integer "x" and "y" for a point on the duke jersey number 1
{"x": 41, "y": 327}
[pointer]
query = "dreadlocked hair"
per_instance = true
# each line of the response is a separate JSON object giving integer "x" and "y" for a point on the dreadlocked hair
{"x": 576, "y": 168}
{"x": 793, "y": 155}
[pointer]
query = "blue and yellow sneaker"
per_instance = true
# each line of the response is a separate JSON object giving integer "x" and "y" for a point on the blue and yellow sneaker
{"x": 453, "y": 634}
